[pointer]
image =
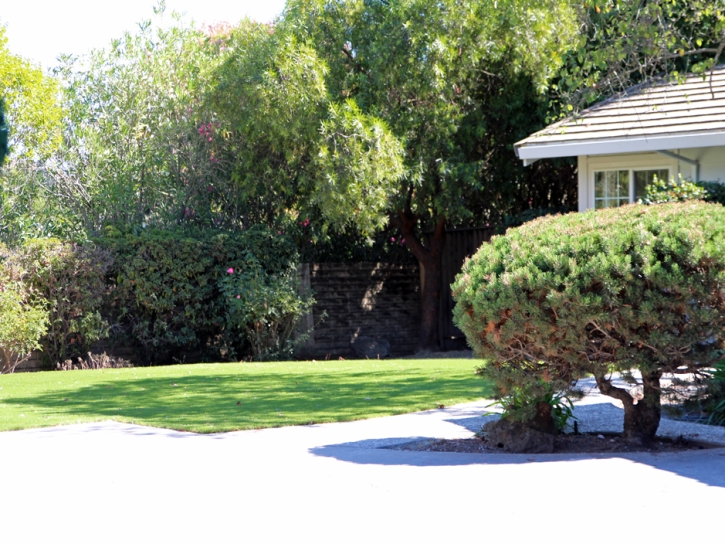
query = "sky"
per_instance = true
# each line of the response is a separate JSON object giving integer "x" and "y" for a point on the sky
{"x": 41, "y": 30}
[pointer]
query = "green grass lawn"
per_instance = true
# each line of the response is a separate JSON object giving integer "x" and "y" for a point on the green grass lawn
{"x": 216, "y": 397}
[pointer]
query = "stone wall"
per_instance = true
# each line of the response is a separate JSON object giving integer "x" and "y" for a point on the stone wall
{"x": 373, "y": 303}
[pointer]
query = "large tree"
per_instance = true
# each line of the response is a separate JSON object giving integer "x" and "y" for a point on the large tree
{"x": 293, "y": 150}
{"x": 421, "y": 66}
{"x": 33, "y": 111}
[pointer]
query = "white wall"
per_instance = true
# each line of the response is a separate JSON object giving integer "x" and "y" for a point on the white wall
{"x": 711, "y": 159}
{"x": 712, "y": 162}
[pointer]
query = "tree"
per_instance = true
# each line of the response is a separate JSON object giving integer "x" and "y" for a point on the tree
{"x": 294, "y": 151}
{"x": 421, "y": 66}
{"x": 33, "y": 111}
{"x": 627, "y": 42}
{"x": 636, "y": 287}
{"x": 140, "y": 150}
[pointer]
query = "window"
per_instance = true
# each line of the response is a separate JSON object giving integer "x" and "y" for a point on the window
{"x": 613, "y": 188}
{"x": 642, "y": 178}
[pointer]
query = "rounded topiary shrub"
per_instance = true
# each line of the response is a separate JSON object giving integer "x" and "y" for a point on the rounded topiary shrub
{"x": 637, "y": 287}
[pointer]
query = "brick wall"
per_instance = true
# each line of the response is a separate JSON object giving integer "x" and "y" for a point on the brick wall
{"x": 374, "y": 300}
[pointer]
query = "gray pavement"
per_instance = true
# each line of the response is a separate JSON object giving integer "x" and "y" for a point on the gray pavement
{"x": 113, "y": 482}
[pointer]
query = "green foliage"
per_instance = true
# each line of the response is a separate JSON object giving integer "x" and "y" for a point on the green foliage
{"x": 623, "y": 43}
{"x": 294, "y": 148}
{"x": 593, "y": 293}
{"x": 31, "y": 101}
{"x": 361, "y": 162}
{"x": 141, "y": 148}
{"x": 428, "y": 69}
{"x": 69, "y": 279}
{"x": 714, "y": 191}
{"x": 520, "y": 403}
{"x": 23, "y": 321}
{"x": 264, "y": 308}
{"x": 33, "y": 111}
{"x": 715, "y": 402}
{"x": 661, "y": 191}
{"x": 166, "y": 286}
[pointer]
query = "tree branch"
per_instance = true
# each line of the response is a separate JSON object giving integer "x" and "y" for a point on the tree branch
{"x": 606, "y": 387}
{"x": 350, "y": 56}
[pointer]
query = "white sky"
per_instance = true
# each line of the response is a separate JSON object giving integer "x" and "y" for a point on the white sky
{"x": 40, "y": 30}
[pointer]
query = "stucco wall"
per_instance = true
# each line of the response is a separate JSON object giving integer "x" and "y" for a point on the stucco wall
{"x": 711, "y": 159}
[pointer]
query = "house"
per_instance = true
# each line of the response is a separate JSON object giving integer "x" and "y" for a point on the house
{"x": 661, "y": 129}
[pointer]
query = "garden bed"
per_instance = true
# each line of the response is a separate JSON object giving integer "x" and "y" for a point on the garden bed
{"x": 565, "y": 443}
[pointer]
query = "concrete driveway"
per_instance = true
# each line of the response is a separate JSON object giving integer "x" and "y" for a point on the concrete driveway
{"x": 113, "y": 482}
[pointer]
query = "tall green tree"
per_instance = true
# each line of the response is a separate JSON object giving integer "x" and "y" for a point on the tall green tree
{"x": 421, "y": 65}
{"x": 140, "y": 147}
{"x": 33, "y": 111}
{"x": 294, "y": 149}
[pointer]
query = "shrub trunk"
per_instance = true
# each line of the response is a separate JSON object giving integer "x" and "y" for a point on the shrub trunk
{"x": 641, "y": 418}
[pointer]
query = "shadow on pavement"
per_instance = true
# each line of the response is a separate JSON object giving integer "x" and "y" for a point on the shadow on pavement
{"x": 706, "y": 466}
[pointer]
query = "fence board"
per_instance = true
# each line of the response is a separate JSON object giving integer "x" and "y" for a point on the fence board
{"x": 459, "y": 244}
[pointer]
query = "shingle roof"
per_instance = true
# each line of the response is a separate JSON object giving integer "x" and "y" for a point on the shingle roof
{"x": 660, "y": 116}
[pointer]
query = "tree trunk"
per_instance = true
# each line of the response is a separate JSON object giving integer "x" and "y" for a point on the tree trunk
{"x": 543, "y": 420}
{"x": 431, "y": 260}
{"x": 642, "y": 418}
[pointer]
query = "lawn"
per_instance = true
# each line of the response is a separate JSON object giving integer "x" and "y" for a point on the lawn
{"x": 214, "y": 397}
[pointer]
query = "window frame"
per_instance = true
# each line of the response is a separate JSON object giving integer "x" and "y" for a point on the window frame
{"x": 594, "y": 169}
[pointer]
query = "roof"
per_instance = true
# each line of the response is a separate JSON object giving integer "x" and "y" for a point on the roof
{"x": 655, "y": 117}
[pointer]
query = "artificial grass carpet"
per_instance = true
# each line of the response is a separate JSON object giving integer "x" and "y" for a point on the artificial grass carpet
{"x": 216, "y": 397}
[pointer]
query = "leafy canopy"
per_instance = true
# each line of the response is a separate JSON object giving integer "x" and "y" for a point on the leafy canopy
{"x": 418, "y": 65}
{"x": 294, "y": 148}
{"x": 625, "y": 42}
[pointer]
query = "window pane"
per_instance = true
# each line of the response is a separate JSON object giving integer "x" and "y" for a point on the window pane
{"x": 611, "y": 188}
{"x": 599, "y": 184}
{"x": 642, "y": 178}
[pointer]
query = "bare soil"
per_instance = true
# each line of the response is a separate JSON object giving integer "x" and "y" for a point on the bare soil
{"x": 566, "y": 443}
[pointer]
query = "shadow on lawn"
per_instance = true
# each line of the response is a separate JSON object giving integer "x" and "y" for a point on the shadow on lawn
{"x": 225, "y": 402}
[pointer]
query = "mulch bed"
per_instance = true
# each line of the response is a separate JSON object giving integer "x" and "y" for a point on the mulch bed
{"x": 566, "y": 443}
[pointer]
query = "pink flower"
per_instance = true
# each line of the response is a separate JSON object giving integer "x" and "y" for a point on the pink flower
{"x": 392, "y": 239}
{"x": 230, "y": 270}
{"x": 239, "y": 296}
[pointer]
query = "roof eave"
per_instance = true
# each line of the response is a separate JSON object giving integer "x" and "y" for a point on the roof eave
{"x": 529, "y": 152}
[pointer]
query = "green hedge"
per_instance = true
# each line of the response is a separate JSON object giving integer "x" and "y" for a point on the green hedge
{"x": 715, "y": 191}
{"x": 174, "y": 296}
{"x": 67, "y": 280}
{"x": 167, "y": 288}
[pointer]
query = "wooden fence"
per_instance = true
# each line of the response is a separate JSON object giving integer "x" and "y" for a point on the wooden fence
{"x": 459, "y": 244}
